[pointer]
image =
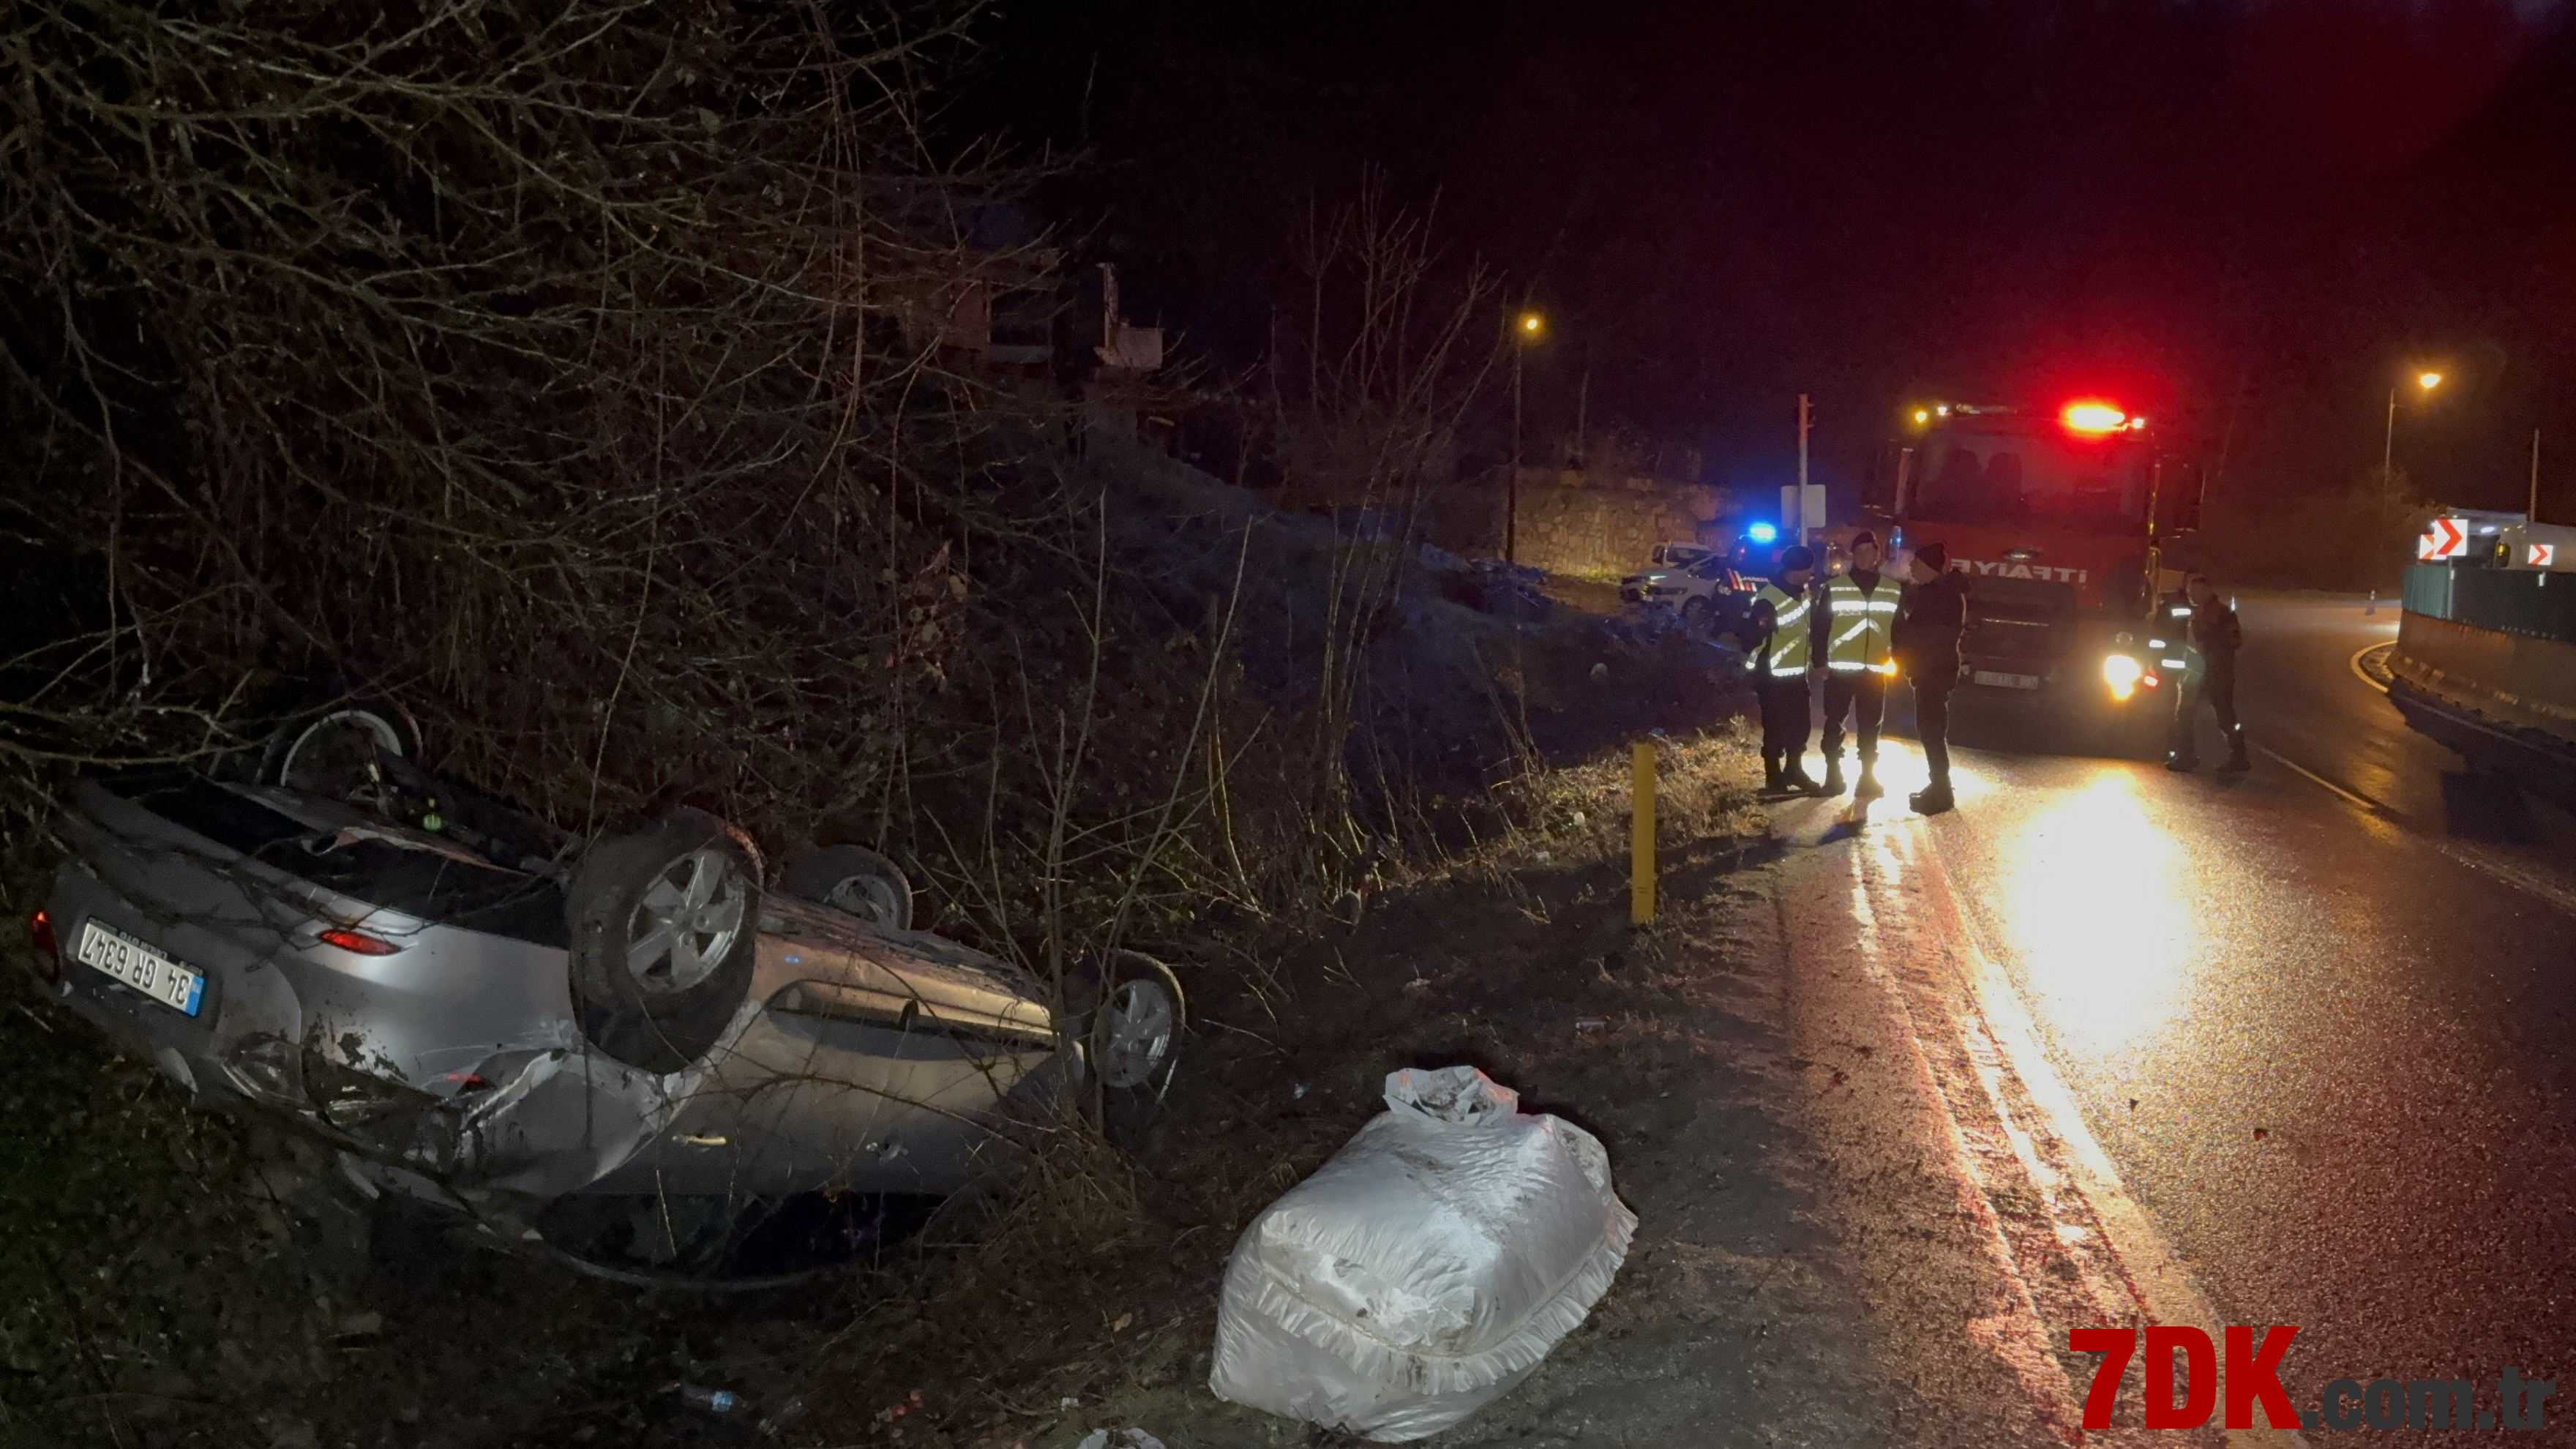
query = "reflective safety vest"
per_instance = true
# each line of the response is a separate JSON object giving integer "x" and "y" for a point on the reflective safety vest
{"x": 2170, "y": 644}
{"x": 1861, "y": 632}
{"x": 1786, "y": 652}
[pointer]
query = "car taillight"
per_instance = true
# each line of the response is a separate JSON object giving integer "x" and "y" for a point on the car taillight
{"x": 364, "y": 945}
{"x": 40, "y": 929}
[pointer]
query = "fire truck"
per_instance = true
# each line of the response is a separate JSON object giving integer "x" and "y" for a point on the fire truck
{"x": 2063, "y": 519}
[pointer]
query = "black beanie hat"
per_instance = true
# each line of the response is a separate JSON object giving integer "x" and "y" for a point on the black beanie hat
{"x": 1795, "y": 557}
{"x": 1934, "y": 555}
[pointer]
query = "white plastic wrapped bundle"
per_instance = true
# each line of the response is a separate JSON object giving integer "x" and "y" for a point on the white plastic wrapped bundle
{"x": 1426, "y": 1269}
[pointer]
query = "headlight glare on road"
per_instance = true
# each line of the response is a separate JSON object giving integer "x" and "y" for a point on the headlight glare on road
{"x": 2121, "y": 672}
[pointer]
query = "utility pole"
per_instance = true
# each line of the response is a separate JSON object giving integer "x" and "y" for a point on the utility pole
{"x": 2531, "y": 512}
{"x": 1525, "y": 331}
{"x": 1512, "y": 491}
{"x": 1583, "y": 420}
{"x": 1803, "y": 419}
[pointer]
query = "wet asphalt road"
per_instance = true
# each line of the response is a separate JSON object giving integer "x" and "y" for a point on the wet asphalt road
{"x": 2326, "y": 1042}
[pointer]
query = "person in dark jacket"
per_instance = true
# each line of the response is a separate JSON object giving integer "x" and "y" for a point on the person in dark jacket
{"x": 2215, "y": 638}
{"x": 1927, "y": 648}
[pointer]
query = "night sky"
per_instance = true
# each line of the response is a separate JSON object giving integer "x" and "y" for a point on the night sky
{"x": 2253, "y": 213}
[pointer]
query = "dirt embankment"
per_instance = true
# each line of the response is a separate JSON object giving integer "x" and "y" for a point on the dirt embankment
{"x": 173, "y": 1278}
{"x": 183, "y": 1282}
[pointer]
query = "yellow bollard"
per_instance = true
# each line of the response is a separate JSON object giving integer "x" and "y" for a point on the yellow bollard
{"x": 1641, "y": 833}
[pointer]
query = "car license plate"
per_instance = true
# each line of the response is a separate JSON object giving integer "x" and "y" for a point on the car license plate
{"x": 2005, "y": 681}
{"x": 143, "y": 968}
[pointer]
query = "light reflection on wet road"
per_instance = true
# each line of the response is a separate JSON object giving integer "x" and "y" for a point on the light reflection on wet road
{"x": 2329, "y": 1054}
{"x": 2100, "y": 911}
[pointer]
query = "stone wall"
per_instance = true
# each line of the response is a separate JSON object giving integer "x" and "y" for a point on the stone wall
{"x": 1574, "y": 523}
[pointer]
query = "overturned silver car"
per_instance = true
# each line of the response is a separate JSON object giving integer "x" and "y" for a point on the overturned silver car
{"x": 477, "y": 1010}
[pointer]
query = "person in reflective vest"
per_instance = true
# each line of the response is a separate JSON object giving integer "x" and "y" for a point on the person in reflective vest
{"x": 2215, "y": 637}
{"x": 1783, "y": 621}
{"x": 1859, "y": 628}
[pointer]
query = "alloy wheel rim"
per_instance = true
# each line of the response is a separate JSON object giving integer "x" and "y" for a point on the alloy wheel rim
{"x": 1136, "y": 1033}
{"x": 869, "y": 897}
{"x": 686, "y": 923}
{"x": 330, "y": 745}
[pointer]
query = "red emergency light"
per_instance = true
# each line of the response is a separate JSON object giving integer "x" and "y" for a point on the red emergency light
{"x": 2093, "y": 416}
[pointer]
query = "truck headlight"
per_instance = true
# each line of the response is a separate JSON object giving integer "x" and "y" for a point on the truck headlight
{"x": 2120, "y": 674}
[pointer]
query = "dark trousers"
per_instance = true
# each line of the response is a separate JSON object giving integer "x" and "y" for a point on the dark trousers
{"x": 1932, "y": 722}
{"x": 1863, "y": 695}
{"x": 2218, "y": 688}
{"x": 1786, "y": 702}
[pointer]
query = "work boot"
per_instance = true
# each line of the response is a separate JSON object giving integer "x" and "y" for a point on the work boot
{"x": 1772, "y": 783}
{"x": 1869, "y": 789}
{"x": 1834, "y": 776}
{"x": 1797, "y": 779}
{"x": 2182, "y": 764}
{"x": 2237, "y": 763}
{"x": 1932, "y": 799}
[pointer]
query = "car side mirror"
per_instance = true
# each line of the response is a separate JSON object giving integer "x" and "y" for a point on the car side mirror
{"x": 2179, "y": 488}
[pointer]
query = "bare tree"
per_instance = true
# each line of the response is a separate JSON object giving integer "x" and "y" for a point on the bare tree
{"x": 1390, "y": 366}
{"x": 542, "y": 363}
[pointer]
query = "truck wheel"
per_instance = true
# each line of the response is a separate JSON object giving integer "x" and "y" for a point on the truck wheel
{"x": 1695, "y": 613}
{"x": 854, "y": 880}
{"x": 665, "y": 924}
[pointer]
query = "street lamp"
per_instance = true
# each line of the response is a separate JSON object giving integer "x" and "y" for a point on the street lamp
{"x": 2426, "y": 380}
{"x": 1531, "y": 326}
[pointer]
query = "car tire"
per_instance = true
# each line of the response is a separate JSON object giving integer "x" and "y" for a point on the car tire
{"x": 665, "y": 927}
{"x": 853, "y": 880}
{"x": 1130, "y": 1014}
{"x": 1695, "y": 611}
{"x": 323, "y": 750}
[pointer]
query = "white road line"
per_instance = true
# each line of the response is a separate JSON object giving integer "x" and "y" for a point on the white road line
{"x": 2483, "y": 859}
{"x": 2016, "y": 1333}
{"x": 2157, "y": 1275}
{"x": 2353, "y": 797}
{"x": 2363, "y": 674}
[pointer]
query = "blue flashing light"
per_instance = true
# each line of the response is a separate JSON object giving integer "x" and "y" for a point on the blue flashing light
{"x": 1762, "y": 533}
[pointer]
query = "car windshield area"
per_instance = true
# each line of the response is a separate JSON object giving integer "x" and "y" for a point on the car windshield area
{"x": 2051, "y": 481}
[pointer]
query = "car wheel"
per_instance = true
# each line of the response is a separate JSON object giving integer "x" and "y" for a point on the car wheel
{"x": 328, "y": 751}
{"x": 665, "y": 924}
{"x": 854, "y": 880}
{"x": 1132, "y": 1016}
{"x": 1695, "y": 612}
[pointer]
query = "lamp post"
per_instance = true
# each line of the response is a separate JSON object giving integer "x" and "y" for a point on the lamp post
{"x": 2427, "y": 381}
{"x": 1525, "y": 330}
